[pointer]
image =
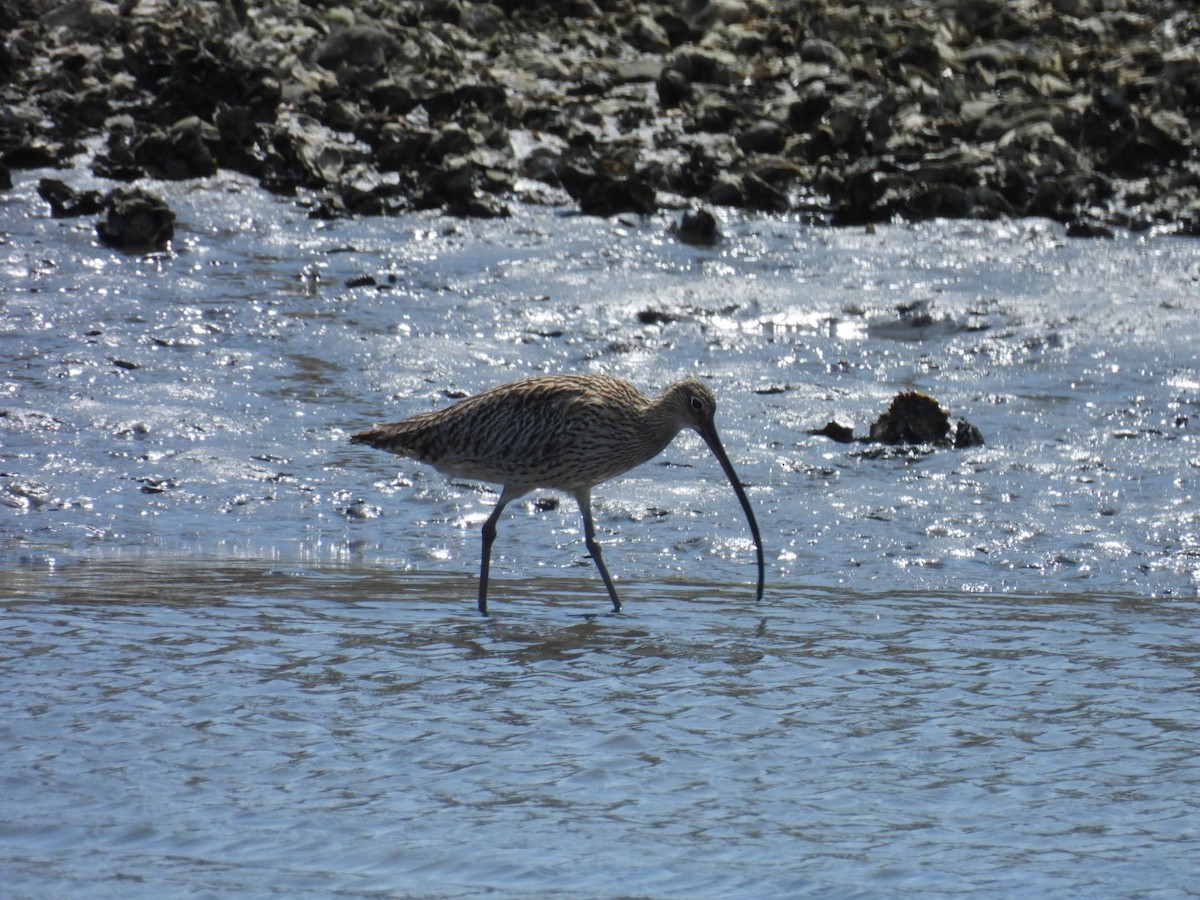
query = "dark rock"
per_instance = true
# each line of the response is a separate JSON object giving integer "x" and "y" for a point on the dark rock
{"x": 386, "y": 199}
{"x": 816, "y": 50}
{"x": 194, "y": 79}
{"x": 708, "y": 65}
{"x": 655, "y": 317}
{"x": 480, "y": 18}
{"x": 714, "y": 113}
{"x": 699, "y": 227}
{"x": 135, "y": 219}
{"x": 33, "y": 155}
{"x": 763, "y": 196}
{"x": 329, "y": 209}
{"x": 912, "y": 418}
{"x": 1082, "y": 111}
{"x": 116, "y": 161}
{"x": 648, "y": 35}
{"x": 967, "y": 435}
{"x": 66, "y": 202}
{"x": 747, "y": 191}
{"x": 608, "y": 193}
{"x": 402, "y": 148}
{"x": 543, "y": 164}
{"x": 1088, "y": 228}
{"x": 452, "y": 140}
{"x": 183, "y": 151}
{"x": 726, "y": 190}
{"x": 843, "y": 434}
{"x": 456, "y": 186}
{"x": 811, "y": 103}
{"x": 673, "y": 88}
{"x": 396, "y": 95}
{"x": 763, "y": 136}
{"x": 356, "y": 47}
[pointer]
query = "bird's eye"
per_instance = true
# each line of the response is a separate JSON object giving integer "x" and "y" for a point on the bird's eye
{"x": 697, "y": 403}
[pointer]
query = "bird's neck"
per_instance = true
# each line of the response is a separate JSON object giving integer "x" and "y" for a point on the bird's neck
{"x": 658, "y": 428}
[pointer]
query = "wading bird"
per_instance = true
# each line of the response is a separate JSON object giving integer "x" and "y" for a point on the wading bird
{"x": 565, "y": 432}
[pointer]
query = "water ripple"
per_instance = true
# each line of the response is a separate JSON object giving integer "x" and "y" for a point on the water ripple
{"x": 355, "y": 731}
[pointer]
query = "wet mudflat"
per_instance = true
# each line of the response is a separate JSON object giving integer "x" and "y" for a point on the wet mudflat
{"x": 241, "y": 657}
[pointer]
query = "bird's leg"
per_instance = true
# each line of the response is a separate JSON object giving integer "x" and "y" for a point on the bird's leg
{"x": 584, "y": 499}
{"x": 489, "y": 536}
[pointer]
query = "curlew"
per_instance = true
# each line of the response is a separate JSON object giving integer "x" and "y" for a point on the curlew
{"x": 564, "y": 432}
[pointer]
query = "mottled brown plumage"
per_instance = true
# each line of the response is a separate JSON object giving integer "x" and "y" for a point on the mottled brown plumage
{"x": 567, "y": 432}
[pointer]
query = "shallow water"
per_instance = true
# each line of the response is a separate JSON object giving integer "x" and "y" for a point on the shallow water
{"x": 230, "y": 729}
{"x": 240, "y": 656}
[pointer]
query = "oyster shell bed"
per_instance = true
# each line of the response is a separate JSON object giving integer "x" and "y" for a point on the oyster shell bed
{"x": 1082, "y": 111}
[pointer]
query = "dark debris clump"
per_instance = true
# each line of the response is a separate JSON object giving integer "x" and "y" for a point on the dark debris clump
{"x": 912, "y": 419}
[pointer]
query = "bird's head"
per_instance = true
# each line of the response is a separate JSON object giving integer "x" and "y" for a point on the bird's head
{"x": 694, "y": 406}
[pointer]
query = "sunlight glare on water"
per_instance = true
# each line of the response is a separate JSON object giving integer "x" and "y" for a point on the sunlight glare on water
{"x": 241, "y": 656}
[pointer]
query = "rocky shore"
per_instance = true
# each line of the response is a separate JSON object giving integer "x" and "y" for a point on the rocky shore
{"x": 1083, "y": 111}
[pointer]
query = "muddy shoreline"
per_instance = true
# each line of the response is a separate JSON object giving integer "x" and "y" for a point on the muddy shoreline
{"x": 1082, "y": 111}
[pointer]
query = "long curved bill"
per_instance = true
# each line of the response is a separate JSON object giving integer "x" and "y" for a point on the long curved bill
{"x": 709, "y": 433}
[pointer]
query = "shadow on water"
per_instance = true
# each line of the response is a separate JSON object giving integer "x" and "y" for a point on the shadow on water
{"x": 576, "y": 603}
{"x": 191, "y": 580}
{"x": 552, "y": 617}
{"x": 555, "y": 617}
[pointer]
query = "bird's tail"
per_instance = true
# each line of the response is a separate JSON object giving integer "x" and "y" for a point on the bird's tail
{"x": 401, "y": 438}
{"x": 379, "y": 437}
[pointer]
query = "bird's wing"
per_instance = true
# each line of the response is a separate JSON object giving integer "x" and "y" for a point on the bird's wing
{"x": 511, "y": 432}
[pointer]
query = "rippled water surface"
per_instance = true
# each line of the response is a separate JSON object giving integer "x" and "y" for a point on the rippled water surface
{"x": 240, "y": 657}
